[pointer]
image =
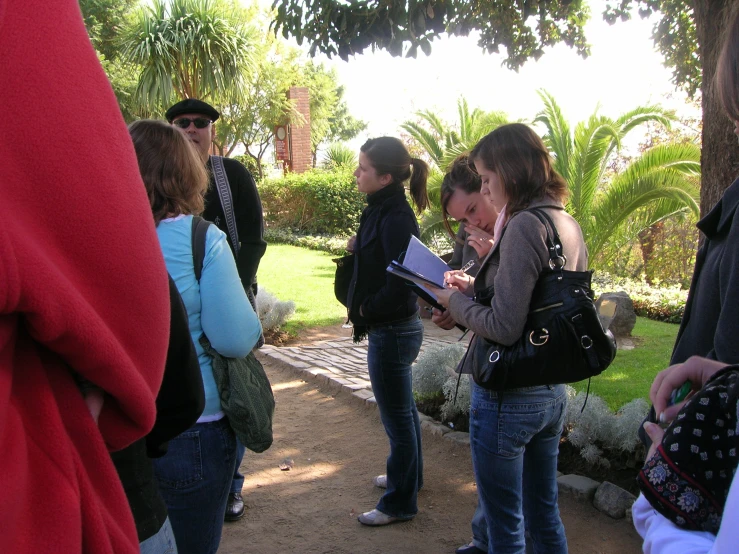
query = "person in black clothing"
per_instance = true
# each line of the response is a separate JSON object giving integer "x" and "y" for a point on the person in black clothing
{"x": 383, "y": 308}
{"x": 180, "y": 402}
{"x": 196, "y": 119}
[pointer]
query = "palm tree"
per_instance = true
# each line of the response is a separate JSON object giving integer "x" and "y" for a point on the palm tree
{"x": 188, "y": 49}
{"x": 661, "y": 182}
{"x": 442, "y": 143}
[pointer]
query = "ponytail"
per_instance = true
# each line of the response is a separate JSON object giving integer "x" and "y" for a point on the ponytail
{"x": 388, "y": 155}
{"x": 419, "y": 177}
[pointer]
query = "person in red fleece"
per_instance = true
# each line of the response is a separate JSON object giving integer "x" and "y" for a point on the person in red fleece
{"x": 83, "y": 290}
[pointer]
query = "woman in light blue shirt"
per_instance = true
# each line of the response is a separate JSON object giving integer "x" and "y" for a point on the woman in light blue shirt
{"x": 195, "y": 475}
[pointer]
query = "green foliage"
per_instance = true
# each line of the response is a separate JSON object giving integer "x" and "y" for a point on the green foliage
{"x": 339, "y": 156}
{"x": 523, "y": 29}
{"x": 307, "y": 278}
{"x": 662, "y": 182}
{"x": 335, "y": 245}
{"x": 666, "y": 303}
{"x": 189, "y": 49}
{"x": 442, "y": 142}
{"x": 313, "y": 202}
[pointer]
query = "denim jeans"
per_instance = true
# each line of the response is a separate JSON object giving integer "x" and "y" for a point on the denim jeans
{"x": 479, "y": 528}
{"x": 392, "y": 349}
{"x": 514, "y": 454}
{"x": 194, "y": 479}
{"x": 237, "y": 483}
{"x": 162, "y": 542}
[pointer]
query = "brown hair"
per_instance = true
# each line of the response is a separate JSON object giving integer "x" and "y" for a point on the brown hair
{"x": 460, "y": 176}
{"x": 523, "y": 164}
{"x": 175, "y": 178}
{"x": 727, "y": 70}
{"x": 389, "y": 156}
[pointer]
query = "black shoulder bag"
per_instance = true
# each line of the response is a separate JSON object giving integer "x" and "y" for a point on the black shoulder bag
{"x": 563, "y": 340}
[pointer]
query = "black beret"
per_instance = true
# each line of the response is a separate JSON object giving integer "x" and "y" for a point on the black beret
{"x": 192, "y": 105}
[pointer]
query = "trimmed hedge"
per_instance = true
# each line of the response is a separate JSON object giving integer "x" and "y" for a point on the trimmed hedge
{"x": 313, "y": 203}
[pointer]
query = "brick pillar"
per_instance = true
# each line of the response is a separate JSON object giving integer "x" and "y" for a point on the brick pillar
{"x": 300, "y": 152}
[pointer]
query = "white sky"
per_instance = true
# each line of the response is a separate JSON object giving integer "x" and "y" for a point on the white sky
{"x": 622, "y": 72}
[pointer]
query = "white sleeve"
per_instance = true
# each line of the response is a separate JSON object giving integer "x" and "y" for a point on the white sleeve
{"x": 661, "y": 536}
{"x": 727, "y": 539}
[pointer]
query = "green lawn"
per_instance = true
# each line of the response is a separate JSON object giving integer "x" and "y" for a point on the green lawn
{"x": 633, "y": 371}
{"x": 307, "y": 278}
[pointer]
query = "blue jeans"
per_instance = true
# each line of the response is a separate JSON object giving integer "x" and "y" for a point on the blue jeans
{"x": 514, "y": 454}
{"x": 162, "y": 542}
{"x": 392, "y": 349}
{"x": 194, "y": 479}
{"x": 479, "y": 528}
{"x": 237, "y": 483}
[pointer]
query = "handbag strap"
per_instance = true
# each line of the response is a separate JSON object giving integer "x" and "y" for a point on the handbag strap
{"x": 224, "y": 193}
{"x": 557, "y": 258}
{"x": 199, "y": 230}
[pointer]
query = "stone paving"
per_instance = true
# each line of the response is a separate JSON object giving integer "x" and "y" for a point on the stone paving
{"x": 344, "y": 363}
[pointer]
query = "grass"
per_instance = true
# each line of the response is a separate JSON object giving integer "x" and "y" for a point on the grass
{"x": 307, "y": 278}
{"x": 633, "y": 371}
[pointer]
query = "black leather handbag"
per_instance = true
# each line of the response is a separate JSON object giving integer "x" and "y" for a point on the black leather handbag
{"x": 343, "y": 277}
{"x": 563, "y": 340}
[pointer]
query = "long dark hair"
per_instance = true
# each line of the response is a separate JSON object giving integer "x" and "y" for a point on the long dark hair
{"x": 727, "y": 70}
{"x": 389, "y": 156}
{"x": 461, "y": 176}
{"x": 522, "y": 162}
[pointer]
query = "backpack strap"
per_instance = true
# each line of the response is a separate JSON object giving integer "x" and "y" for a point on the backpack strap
{"x": 199, "y": 230}
{"x": 224, "y": 193}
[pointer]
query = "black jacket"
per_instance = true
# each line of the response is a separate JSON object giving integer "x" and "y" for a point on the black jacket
{"x": 711, "y": 322}
{"x": 248, "y": 215}
{"x": 385, "y": 229}
{"x": 180, "y": 402}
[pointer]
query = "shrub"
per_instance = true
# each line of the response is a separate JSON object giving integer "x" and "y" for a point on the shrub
{"x": 434, "y": 367}
{"x": 272, "y": 313}
{"x": 315, "y": 202}
{"x": 598, "y": 428}
{"x": 659, "y": 303}
{"x": 325, "y": 243}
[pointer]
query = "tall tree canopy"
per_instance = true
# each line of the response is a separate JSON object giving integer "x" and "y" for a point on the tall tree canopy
{"x": 687, "y": 32}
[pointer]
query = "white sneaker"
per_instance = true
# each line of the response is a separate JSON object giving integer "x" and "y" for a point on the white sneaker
{"x": 380, "y": 481}
{"x": 376, "y": 518}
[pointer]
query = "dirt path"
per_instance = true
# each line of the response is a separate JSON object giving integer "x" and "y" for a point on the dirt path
{"x": 337, "y": 445}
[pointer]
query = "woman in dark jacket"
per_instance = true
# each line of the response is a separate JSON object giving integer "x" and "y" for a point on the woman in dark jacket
{"x": 383, "y": 308}
{"x": 514, "y": 435}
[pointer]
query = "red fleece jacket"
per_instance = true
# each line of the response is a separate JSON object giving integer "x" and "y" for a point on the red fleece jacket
{"x": 83, "y": 288}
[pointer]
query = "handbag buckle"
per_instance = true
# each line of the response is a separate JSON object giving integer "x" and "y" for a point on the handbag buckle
{"x": 562, "y": 262}
{"x": 496, "y": 354}
{"x": 543, "y": 337}
{"x": 586, "y": 342}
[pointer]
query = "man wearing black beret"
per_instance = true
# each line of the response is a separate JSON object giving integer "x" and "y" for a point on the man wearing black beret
{"x": 242, "y": 223}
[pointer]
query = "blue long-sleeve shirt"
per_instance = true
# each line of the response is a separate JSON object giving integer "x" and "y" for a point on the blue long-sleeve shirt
{"x": 217, "y": 306}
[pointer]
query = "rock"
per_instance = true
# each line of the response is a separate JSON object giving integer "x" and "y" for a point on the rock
{"x": 582, "y": 488}
{"x": 435, "y": 428}
{"x": 613, "y": 500}
{"x": 458, "y": 437}
{"x": 616, "y": 311}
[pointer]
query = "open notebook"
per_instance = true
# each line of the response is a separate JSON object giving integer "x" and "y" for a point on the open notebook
{"x": 421, "y": 267}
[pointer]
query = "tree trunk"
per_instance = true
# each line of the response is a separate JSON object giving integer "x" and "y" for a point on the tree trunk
{"x": 647, "y": 240}
{"x": 720, "y": 153}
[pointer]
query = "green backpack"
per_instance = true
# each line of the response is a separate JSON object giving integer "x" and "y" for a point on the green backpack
{"x": 245, "y": 391}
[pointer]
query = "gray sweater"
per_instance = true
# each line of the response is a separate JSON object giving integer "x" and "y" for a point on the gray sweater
{"x": 513, "y": 267}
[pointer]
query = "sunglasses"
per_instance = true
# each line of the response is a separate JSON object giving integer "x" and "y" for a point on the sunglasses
{"x": 200, "y": 122}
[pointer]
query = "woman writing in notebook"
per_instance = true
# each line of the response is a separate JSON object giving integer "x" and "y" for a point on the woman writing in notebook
{"x": 514, "y": 434}
{"x": 384, "y": 309}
